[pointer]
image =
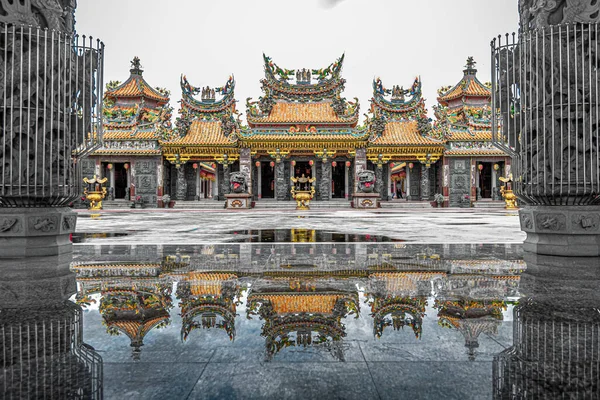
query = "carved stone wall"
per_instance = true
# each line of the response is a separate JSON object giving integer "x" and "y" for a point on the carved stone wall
{"x": 224, "y": 183}
{"x": 55, "y": 15}
{"x": 538, "y": 14}
{"x": 181, "y": 185}
{"x": 324, "y": 182}
{"x": 379, "y": 188}
{"x": 281, "y": 184}
{"x": 425, "y": 183}
{"x": 460, "y": 175}
{"x": 146, "y": 180}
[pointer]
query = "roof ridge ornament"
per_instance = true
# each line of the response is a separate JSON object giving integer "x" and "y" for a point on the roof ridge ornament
{"x": 136, "y": 66}
{"x": 470, "y": 66}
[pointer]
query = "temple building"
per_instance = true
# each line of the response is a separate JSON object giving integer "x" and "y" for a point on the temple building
{"x": 302, "y": 125}
{"x": 472, "y": 165}
{"x": 136, "y": 116}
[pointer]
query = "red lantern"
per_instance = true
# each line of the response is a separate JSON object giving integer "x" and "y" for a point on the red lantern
{"x": 480, "y": 166}
{"x": 195, "y": 166}
{"x": 410, "y": 165}
{"x": 334, "y": 164}
{"x": 293, "y": 163}
{"x": 213, "y": 165}
{"x": 392, "y": 165}
{"x": 257, "y": 164}
{"x": 311, "y": 162}
{"x": 126, "y": 166}
{"x": 348, "y": 164}
{"x": 109, "y": 166}
{"x": 272, "y": 164}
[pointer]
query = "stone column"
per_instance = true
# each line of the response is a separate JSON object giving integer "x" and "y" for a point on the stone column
{"x": 346, "y": 185}
{"x": 160, "y": 179}
{"x": 259, "y": 180}
{"x": 360, "y": 164}
{"x": 181, "y": 183}
{"x": 246, "y": 167}
{"x": 407, "y": 182}
{"x": 379, "y": 181}
{"x": 225, "y": 186}
{"x": 425, "y": 187}
{"x": 281, "y": 186}
{"x": 325, "y": 183}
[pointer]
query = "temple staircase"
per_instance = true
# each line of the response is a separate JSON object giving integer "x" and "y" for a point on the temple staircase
{"x": 489, "y": 203}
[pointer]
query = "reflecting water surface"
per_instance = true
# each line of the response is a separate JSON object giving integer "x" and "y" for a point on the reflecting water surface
{"x": 300, "y": 319}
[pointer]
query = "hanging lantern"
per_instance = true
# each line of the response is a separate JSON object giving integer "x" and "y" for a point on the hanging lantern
{"x": 392, "y": 165}
{"x": 293, "y": 163}
{"x": 334, "y": 164}
{"x": 348, "y": 164}
{"x": 126, "y": 166}
{"x": 496, "y": 167}
{"x": 257, "y": 164}
{"x": 195, "y": 165}
{"x": 311, "y": 162}
{"x": 480, "y": 167}
{"x": 410, "y": 165}
{"x": 109, "y": 166}
{"x": 213, "y": 165}
{"x": 272, "y": 164}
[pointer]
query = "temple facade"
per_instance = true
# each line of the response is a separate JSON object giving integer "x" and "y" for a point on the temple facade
{"x": 301, "y": 125}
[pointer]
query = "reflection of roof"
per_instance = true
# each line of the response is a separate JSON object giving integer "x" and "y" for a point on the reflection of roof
{"x": 401, "y": 133}
{"x": 136, "y": 86}
{"x": 303, "y": 303}
{"x": 204, "y": 133}
{"x": 208, "y": 283}
{"x": 398, "y": 282}
{"x": 318, "y": 113}
{"x": 135, "y": 329}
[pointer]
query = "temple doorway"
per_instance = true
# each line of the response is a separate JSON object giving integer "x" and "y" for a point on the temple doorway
{"x": 338, "y": 180}
{"x": 120, "y": 180}
{"x": 302, "y": 167}
{"x": 485, "y": 179}
{"x": 267, "y": 180}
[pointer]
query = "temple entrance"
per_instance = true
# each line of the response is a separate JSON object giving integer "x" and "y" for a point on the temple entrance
{"x": 338, "y": 181}
{"x": 120, "y": 180}
{"x": 267, "y": 180}
{"x": 302, "y": 167}
{"x": 485, "y": 179}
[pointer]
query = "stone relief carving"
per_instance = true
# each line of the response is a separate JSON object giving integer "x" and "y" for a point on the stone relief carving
{"x": 552, "y": 222}
{"x": 9, "y": 225}
{"x": 527, "y": 221}
{"x": 69, "y": 222}
{"x": 586, "y": 222}
{"x": 52, "y": 14}
{"x": 181, "y": 183}
{"x": 43, "y": 224}
{"x": 543, "y": 13}
{"x": 425, "y": 185}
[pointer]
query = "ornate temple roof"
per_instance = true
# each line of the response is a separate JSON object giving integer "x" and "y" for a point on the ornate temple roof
{"x": 136, "y": 87}
{"x": 314, "y": 99}
{"x": 403, "y": 133}
{"x": 468, "y": 87}
{"x": 210, "y": 121}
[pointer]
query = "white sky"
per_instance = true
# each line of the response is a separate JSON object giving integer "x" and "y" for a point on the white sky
{"x": 209, "y": 39}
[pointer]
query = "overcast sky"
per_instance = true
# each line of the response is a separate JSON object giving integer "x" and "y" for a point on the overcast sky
{"x": 209, "y": 39}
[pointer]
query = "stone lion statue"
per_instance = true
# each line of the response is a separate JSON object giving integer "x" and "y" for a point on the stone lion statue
{"x": 238, "y": 182}
{"x": 366, "y": 181}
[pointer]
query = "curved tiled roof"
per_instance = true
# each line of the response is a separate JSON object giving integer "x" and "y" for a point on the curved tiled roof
{"x": 469, "y": 136}
{"x": 468, "y": 86}
{"x": 142, "y": 152}
{"x": 136, "y": 86}
{"x": 204, "y": 133}
{"x": 133, "y": 134}
{"x": 474, "y": 152}
{"x": 308, "y": 113}
{"x": 403, "y": 133}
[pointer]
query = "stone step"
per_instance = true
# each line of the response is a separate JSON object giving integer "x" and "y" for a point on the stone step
{"x": 200, "y": 205}
{"x": 405, "y": 204}
{"x": 115, "y": 204}
{"x": 489, "y": 204}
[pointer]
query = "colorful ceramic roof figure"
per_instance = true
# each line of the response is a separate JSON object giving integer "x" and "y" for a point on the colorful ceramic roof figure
{"x": 463, "y": 116}
{"x": 211, "y": 123}
{"x": 303, "y": 106}
{"x": 208, "y": 300}
{"x": 398, "y": 123}
{"x": 135, "y": 116}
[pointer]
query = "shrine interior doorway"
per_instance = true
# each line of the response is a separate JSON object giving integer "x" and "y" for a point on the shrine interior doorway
{"x": 338, "y": 181}
{"x": 267, "y": 180}
{"x": 120, "y": 180}
{"x": 302, "y": 167}
{"x": 485, "y": 179}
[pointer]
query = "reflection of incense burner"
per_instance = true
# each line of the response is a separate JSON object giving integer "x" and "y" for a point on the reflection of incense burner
{"x": 303, "y": 191}
{"x": 509, "y": 197}
{"x": 95, "y": 192}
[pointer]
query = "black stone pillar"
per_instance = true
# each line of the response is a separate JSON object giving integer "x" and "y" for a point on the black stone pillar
{"x": 281, "y": 184}
{"x": 181, "y": 183}
{"x": 325, "y": 182}
{"x": 225, "y": 186}
{"x": 379, "y": 181}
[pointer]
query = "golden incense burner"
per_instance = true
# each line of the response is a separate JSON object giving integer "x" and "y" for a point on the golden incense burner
{"x": 95, "y": 192}
{"x": 509, "y": 197}
{"x": 303, "y": 191}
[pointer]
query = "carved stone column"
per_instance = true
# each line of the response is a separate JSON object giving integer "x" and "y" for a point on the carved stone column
{"x": 325, "y": 182}
{"x": 360, "y": 164}
{"x": 181, "y": 183}
{"x": 379, "y": 181}
{"x": 246, "y": 168}
{"x": 425, "y": 187}
{"x": 225, "y": 185}
{"x": 281, "y": 184}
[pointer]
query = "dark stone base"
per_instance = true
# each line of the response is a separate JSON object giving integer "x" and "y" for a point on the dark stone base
{"x": 365, "y": 200}
{"x": 561, "y": 230}
{"x": 32, "y": 232}
{"x": 238, "y": 201}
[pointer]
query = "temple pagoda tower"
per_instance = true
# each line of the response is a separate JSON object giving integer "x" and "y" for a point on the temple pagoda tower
{"x": 136, "y": 116}
{"x": 400, "y": 132}
{"x": 472, "y": 165}
{"x": 205, "y": 145}
{"x": 303, "y": 127}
